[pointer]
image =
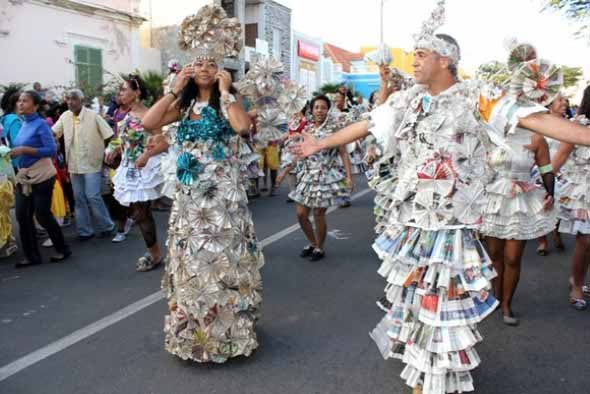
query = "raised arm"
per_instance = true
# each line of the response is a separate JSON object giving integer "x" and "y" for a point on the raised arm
{"x": 167, "y": 109}
{"x": 164, "y": 112}
{"x": 564, "y": 151}
{"x": 556, "y": 128}
{"x": 385, "y": 89}
{"x": 239, "y": 119}
{"x": 232, "y": 107}
{"x": 351, "y": 133}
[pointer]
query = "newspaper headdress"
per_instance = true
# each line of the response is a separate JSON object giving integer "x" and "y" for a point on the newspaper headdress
{"x": 210, "y": 34}
{"x": 426, "y": 39}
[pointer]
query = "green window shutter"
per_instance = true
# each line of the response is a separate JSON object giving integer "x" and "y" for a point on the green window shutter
{"x": 88, "y": 64}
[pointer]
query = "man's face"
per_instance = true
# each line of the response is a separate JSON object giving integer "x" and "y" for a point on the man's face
{"x": 74, "y": 103}
{"x": 427, "y": 66}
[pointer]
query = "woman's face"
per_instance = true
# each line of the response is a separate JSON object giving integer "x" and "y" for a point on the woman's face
{"x": 205, "y": 71}
{"x": 558, "y": 106}
{"x": 320, "y": 111}
{"x": 127, "y": 95}
{"x": 25, "y": 105}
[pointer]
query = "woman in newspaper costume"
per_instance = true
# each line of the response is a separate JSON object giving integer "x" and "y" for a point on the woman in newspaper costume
{"x": 574, "y": 207}
{"x": 212, "y": 277}
{"x": 518, "y": 208}
{"x": 437, "y": 271}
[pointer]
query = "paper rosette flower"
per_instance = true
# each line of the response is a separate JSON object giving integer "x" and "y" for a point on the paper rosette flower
{"x": 538, "y": 81}
{"x": 381, "y": 56}
{"x": 210, "y": 34}
{"x": 247, "y": 87}
{"x": 268, "y": 124}
{"x": 468, "y": 203}
{"x": 187, "y": 168}
{"x": 293, "y": 98}
{"x": 519, "y": 53}
{"x": 431, "y": 209}
{"x": 267, "y": 73}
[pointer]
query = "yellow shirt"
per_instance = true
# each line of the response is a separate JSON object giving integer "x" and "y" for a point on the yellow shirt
{"x": 84, "y": 137}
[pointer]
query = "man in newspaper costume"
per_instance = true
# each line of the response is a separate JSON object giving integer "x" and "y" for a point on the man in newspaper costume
{"x": 437, "y": 271}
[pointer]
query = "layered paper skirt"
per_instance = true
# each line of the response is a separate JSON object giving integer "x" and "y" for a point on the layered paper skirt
{"x": 574, "y": 206}
{"x": 515, "y": 211}
{"x": 139, "y": 184}
{"x": 439, "y": 285}
{"x": 318, "y": 187}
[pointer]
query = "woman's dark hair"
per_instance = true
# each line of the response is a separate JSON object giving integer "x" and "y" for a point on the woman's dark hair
{"x": 55, "y": 110}
{"x": 305, "y": 108}
{"x": 136, "y": 83}
{"x": 321, "y": 97}
{"x": 9, "y": 99}
{"x": 372, "y": 97}
{"x": 191, "y": 92}
{"x": 584, "y": 108}
{"x": 36, "y": 97}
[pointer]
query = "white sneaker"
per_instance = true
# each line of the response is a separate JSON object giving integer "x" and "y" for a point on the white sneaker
{"x": 128, "y": 225}
{"x": 120, "y": 237}
{"x": 47, "y": 243}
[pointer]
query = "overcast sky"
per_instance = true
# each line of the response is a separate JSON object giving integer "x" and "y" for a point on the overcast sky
{"x": 480, "y": 26}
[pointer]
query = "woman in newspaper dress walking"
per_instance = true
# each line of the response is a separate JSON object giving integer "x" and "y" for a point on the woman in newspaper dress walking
{"x": 212, "y": 277}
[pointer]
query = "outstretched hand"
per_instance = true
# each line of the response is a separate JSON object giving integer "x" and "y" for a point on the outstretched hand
{"x": 307, "y": 147}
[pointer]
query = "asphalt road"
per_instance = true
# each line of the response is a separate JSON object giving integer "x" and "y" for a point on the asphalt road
{"x": 313, "y": 333}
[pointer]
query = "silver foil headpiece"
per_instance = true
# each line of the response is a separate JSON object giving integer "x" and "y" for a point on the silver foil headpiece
{"x": 427, "y": 39}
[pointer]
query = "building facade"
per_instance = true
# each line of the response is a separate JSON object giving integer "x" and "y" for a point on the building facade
{"x": 77, "y": 43}
{"x": 307, "y": 62}
{"x": 266, "y": 27}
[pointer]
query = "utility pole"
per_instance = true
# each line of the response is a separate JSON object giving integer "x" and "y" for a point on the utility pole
{"x": 382, "y": 18}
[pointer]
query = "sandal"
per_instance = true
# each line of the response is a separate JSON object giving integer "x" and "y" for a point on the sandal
{"x": 306, "y": 252}
{"x": 578, "y": 304}
{"x": 60, "y": 257}
{"x": 147, "y": 263}
{"x": 24, "y": 263}
{"x": 542, "y": 251}
{"x": 558, "y": 242}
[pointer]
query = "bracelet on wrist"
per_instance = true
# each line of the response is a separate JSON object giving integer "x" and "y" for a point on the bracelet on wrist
{"x": 173, "y": 94}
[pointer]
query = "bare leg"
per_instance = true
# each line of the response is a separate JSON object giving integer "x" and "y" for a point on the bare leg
{"x": 321, "y": 227}
{"x": 580, "y": 262}
{"x": 305, "y": 224}
{"x": 513, "y": 251}
{"x": 495, "y": 249}
{"x": 542, "y": 248}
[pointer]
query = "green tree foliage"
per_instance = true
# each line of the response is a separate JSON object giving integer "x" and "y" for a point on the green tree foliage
{"x": 574, "y": 9}
{"x": 571, "y": 76}
{"x": 494, "y": 72}
{"x": 328, "y": 88}
{"x": 154, "y": 83}
{"x": 12, "y": 86}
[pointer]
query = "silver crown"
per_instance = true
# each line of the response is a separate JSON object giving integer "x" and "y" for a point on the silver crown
{"x": 426, "y": 39}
